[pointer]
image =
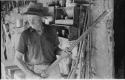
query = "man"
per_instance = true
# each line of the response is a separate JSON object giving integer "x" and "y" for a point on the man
{"x": 38, "y": 46}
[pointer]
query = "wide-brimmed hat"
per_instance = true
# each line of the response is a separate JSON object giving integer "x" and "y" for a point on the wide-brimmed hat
{"x": 34, "y": 9}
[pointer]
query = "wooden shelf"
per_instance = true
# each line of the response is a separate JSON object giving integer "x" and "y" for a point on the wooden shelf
{"x": 63, "y": 21}
{"x": 61, "y": 25}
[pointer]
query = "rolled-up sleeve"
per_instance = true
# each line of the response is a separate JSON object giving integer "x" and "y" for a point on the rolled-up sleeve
{"x": 21, "y": 46}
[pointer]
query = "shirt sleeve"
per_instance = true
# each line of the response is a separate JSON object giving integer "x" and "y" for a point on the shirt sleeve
{"x": 21, "y": 47}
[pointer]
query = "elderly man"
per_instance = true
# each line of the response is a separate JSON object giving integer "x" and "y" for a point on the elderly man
{"x": 37, "y": 47}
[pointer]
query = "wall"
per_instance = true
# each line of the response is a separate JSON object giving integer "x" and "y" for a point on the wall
{"x": 103, "y": 43}
{"x": 10, "y": 44}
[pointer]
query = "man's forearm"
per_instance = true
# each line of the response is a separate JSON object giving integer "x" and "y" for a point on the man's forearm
{"x": 29, "y": 73}
{"x": 22, "y": 65}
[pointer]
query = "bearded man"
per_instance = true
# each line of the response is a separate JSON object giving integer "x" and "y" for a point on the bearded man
{"x": 37, "y": 47}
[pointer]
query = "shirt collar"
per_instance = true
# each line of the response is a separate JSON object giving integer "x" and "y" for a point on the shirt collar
{"x": 31, "y": 29}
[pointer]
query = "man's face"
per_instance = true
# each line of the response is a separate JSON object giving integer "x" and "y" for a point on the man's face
{"x": 35, "y": 22}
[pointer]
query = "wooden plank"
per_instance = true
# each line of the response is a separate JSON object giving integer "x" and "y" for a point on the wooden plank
{"x": 64, "y": 21}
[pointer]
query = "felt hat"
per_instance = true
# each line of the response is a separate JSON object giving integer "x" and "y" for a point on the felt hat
{"x": 34, "y": 9}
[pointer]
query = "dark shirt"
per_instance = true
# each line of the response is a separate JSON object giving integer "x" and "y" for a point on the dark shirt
{"x": 39, "y": 49}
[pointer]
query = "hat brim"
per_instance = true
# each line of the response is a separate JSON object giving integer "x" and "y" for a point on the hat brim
{"x": 33, "y": 13}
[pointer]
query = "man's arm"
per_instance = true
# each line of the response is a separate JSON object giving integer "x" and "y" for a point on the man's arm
{"x": 22, "y": 65}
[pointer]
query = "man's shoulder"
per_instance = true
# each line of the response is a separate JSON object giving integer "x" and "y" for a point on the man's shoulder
{"x": 51, "y": 34}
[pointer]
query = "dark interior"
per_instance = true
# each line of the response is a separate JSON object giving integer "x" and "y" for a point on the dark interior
{"x": 119, "y": 37}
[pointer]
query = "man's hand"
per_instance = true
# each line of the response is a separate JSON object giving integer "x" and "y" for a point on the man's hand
{"x": 33, "y": 76}
{"x": 37, "y": 77}
{"x": 66, "y": 53}
{"x": 44, "y": 74}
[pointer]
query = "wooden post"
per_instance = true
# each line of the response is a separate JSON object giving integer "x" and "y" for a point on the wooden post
{"x": 102, "y": 55}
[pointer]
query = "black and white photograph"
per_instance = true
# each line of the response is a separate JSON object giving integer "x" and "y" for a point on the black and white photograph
{"x": 62, "y": 39}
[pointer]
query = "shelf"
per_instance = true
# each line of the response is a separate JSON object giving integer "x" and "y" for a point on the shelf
{"x": 67, "y": 21}
{"x": 61, "y": 25}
